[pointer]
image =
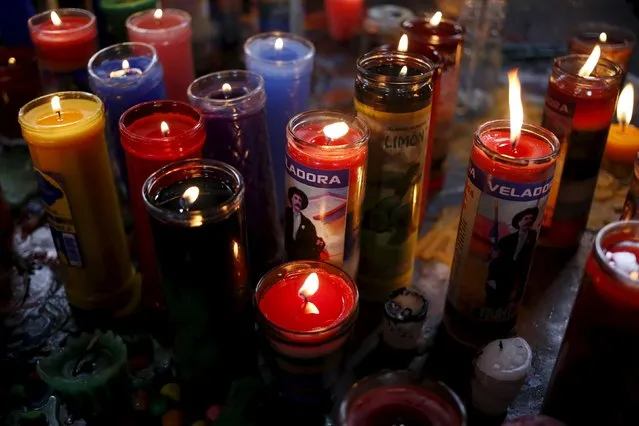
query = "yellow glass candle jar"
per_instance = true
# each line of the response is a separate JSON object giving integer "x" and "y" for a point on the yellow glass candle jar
{"x": 65, "y": 133}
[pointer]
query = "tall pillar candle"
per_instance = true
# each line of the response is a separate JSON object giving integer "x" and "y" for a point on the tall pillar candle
{"x": 154, "y": 134}
{"x": 325, "y": 178}
{"x": 197, "y": 218}
{"x": 617, "y": 43}
{"x": 65, "y": 133}
{"x": 116, "y": 13}
{"x": 286, "y": 63}
{"x": 169, "y": 31}
{"x": 393, "y": 96}
{"x": 233, "y": 107}
{"x": 579, "y": 107}
{"x": 124, "y": 75}
{"x": 64, "y": 41}
{"x": 446, "y": 37}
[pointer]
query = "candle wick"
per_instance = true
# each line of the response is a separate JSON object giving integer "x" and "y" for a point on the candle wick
{"x": 623, "y": 127}
{"x": 515, "y": 143}
{"x": 59, "y": 115}
{"x": 304, "y": 297}
{"x": 501, "y": 345}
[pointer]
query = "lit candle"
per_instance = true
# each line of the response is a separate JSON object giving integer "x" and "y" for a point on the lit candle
{"x": 344, "y": 18}
{"x": 64, "y": 41}
{"x": 124, "y": 75}
{"x": 509, "y": 177}
{"x": 580, "y": 103}
{"x": 306, "y": 311}
{"x": 623, "y": 139}
{"x": 65, "y": 133}
{"x": 116, "y": 13}
{"x": 286, "y": 62}
{"x": 325, "y": 172}
{"x": 233, "y": 106}
{"x": 154, "y": 134}
{"x": 169, "y": 31}
{"x": 500, "y": 371}
{"x": 616, "y": 43}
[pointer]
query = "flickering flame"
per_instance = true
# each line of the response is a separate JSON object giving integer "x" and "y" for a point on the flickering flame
{"x": 310, "y": 308}
{"x": 403, "y": 43}
{"x": 158, "y": 14}
{"x": 279, "y": 43}
{"x": 516, "y": 108}
{"x": 436, "y": 19}
{"x": 591, "y": 63}
{"x": 310, "y": 286}
{"x": 190, "y": 195}
{"x": 226, "y": 89}
{"x": 603, "y": 37}
{"x": 11, "y": 60}
{"x": 335, "y": 130}
{"x": 164, "y": 128}
{"x": 625, "y": 104}
{"x": 55, "y": 19}
{"x": 55, "y": 104}
{"x": 633, "y": 275}
{"x": 236, "y": 246}
{"x": 125, "y": 65}
{"x": 403, "y": 71}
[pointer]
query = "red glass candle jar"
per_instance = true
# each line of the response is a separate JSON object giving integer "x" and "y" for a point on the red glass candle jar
{"x": 595, "y": 378}
{"x": 616, "y": 43}
{"x": 446, "y": 37}
{"x": 506, "y": 191}
{"x": 344, "y": 18}
{"x": 325, "y": 177}
{"x": 154, "y": 134}
{"x": 64, "y": 41}
{"x": 397, "y": 397}
{"x": 578, "y": 111}
{"x": 19, "y": 84}
{"x": 305, "y": 311}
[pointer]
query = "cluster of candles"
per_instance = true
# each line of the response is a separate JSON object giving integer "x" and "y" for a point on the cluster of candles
{"x": 203, "y": 178}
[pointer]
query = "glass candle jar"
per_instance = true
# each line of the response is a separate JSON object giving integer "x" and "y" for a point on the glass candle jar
{"x": 116, "y": 13}
{"x": 617, "y": 43}
{"x": 631, "y": 205}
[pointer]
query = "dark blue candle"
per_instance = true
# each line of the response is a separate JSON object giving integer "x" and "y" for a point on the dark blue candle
{"x": 124, "y": 75}
{"x": 286, "y": 63}
{"x": 232, "y": 104}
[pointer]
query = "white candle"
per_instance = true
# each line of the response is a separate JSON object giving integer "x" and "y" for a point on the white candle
{"x": 500, "y": 371}
{"x": 405, "y": 312}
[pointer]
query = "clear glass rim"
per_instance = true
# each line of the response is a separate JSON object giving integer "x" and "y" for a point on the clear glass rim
{"x": 184, "y": 23}
{"x": 561, "y": 62}
{"x": 629, "y": 227}
{"x": 193, "y": 168}
{"x": 284, "y": 35}
{"x": 38, "y": 19}
{"x": 427, "y": 67}
{"x": 306, "y": 116}
{"x": 527, "y": 128}
{"x": 46, "y": 99}
{"x": 220, "y": 76}
{"x": 409, "y": 24}
{"x": 115, "y": 48}
{"x": 588, "y": 28}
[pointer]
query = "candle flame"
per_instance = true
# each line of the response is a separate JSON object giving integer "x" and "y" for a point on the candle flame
{"x": 125, "y": 65}
{"x": 516, "y": 108}
{"x": 164, "y": 128}
{"x": 335, "y": 130}
{"x": 625, "y": 105}
{"x": 603, "y": 37}
{"x": 158, "y": 14}
{"x": 11, "y": 60}
{"x": 55, "y": 104}
{"x": 310, "y": 308}
{"x": 403, "y": 71}
{"x": 226, "y": 89}
{"x": 55, "y": 19}
{"x": 279, "y": 43}
{"x": 190, "y": 195}
{"x": 310, "y": 286}
{"x": 403, "y": 43}
{"x": 236, "y": 246}
{"x": 591, "y": 63}
{"x": 436, "y": 19}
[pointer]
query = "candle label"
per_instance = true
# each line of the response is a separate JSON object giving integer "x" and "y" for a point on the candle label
{"x": 59, "y": 217}
{"x": 317, "y": 225}
{"x": 396, "y": 157}
{"x": 497, "y": 234}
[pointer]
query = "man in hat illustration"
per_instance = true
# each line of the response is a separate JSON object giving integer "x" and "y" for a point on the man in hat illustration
{"x": 511, "y": 259}
{"x": 301, "y": 240}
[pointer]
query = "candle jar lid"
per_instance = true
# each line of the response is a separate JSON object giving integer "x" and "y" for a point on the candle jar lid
{"x": 587, "y": 35}
{"x": 120, "y": 52}
{"x": 218, "y": 173}
{"x": 36, "y": 20}
{"x": 388, "y": 394}
{"x": 251, "y": 96}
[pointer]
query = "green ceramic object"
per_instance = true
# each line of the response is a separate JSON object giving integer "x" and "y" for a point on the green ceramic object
{"x": 116, "y": 13}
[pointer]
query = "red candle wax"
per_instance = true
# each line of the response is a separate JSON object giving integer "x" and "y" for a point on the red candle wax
{"x": 68, "y": 46}
{"x": 148, "y": 149}
{"x": 19, "y": 84}
{"x": 344, "y": 18}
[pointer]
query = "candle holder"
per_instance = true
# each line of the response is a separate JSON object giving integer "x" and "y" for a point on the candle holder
{"x": 169, "y": 31}
{"x": 120, "y": 86}
{"x": 90, "y": 374}
{"x": 602, "y": 331}
{"x": 286, "y": 68}
{"x": 507, "y": 188}
{"x": 116, "y": 13}
{"x": 397, "y": 109}
{"x": 404, "y": 315}
{"x": 236, "y": 130}
{"x": 147, "y": 149}
{"x": 197, "y": 218}
{"x": 305, "y": 351}
{"x": 446, "y": 38}
{"x": 397, "y": 397}
{"x": 578, "y": 111}
{"x": 64, "y": 43}
{"x": 617, "y": 44}
{"x": 326, "y": 157}
{"x": 344, "y": 18}
{"x": 631, "y": 205}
